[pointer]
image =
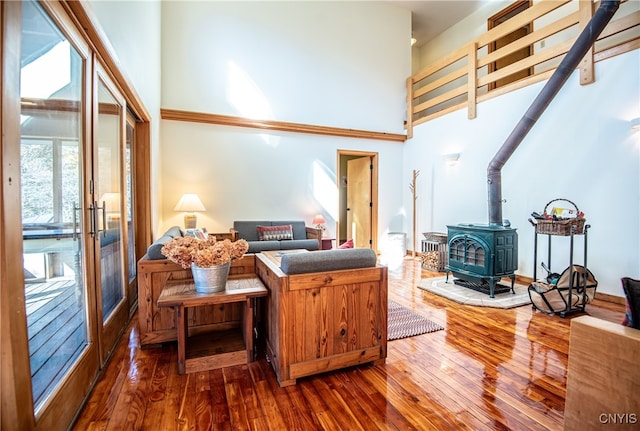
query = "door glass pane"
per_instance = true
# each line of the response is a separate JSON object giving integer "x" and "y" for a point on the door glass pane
{"x": 129, "y": 203}
{"x": 52, "y": 210}
{"x": 109, "y": 186}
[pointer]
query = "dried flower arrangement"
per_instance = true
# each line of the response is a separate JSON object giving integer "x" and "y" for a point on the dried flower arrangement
{"x": 203, "y": 253}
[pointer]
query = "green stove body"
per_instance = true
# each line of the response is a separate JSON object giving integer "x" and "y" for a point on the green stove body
{"x": 481, "y": 254}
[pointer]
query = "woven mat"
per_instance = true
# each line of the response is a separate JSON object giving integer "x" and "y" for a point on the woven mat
{"x": 466, "y": 296}
{"x": 402, "y": 323}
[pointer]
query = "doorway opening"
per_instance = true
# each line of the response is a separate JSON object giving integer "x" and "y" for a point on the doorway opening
{"x": 520, "y": 54}
{"x": 358, "y": 198}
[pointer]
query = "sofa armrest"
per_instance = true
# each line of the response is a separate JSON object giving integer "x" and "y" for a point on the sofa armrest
{"x": 602, "y": 375}
{"x": 234, "y": 234}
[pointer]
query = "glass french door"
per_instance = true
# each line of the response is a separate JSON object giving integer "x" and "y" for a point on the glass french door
{"x": 73, "y": 195}
{"x": 109, "y": 222}
{"x": 53, "y": 89}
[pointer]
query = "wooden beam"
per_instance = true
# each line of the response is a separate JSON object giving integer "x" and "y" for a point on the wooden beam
{"x": 586, "y": 65}
{"x": 229, "y": 120}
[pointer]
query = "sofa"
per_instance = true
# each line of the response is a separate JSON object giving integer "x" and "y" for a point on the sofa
{"x": 277, "y": 235}
{"x": 325, "y": 310}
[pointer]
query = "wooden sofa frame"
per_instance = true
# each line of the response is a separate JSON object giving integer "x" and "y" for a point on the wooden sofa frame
{"x": 323, "y": 321}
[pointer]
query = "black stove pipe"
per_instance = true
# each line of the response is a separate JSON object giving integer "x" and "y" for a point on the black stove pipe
{"x": 568, "y": 64}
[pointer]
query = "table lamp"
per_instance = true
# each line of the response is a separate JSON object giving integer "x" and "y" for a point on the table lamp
{"x": 189, "y": 203}
{"x": 319, "y": 221}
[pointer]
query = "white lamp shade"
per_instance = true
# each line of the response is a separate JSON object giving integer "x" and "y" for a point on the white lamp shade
{"x": 189, "y": 202}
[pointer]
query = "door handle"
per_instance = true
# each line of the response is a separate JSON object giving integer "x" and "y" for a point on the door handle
{"x": 95, "y": 226}
{"x": 92, "y": 220}
{"x": 104, "y": 218}
{"x": 75, "y": 222}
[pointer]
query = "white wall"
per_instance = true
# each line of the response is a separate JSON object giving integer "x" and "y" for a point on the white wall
{"x": 133, "y": 29}
{"x": 582, "y": 148}
{"x": 323, "y": 63}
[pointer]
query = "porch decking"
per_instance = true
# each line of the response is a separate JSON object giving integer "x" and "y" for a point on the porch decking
{"x": 57, "y": 333}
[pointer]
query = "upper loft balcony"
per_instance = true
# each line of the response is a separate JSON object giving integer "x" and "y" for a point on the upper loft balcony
{"x": 521, "y": 50}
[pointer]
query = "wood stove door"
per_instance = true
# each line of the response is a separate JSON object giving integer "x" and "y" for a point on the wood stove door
{"x": 469, "y": 253}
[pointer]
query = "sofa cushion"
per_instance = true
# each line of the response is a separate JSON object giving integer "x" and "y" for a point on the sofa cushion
{"x": 275, "y": 232}
{"x": 327, "y": 260}
{"x": 258, "y": 246}
{"x": 307, "y": 244}
{"x": 631, "y": 289}
{"x": 298, "y": 227}
{"x": 154, "y": 250}
{"x": 247, "y": 229}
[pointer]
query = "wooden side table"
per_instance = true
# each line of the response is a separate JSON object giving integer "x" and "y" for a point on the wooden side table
{"x": 327, "y": 243}
{"x": 215, "y": 349}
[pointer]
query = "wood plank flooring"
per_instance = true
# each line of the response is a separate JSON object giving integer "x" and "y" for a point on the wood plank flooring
{"x": 490, "y": 369}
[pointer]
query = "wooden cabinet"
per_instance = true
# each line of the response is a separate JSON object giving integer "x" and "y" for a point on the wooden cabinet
{"x": 158, "y": 325}
{"x": 323, "y": 321}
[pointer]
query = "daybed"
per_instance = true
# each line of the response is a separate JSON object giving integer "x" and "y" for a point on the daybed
{"x": 325, "y": 310}
{"x": 277, "y": 235}
{"x": 157, "y": 325}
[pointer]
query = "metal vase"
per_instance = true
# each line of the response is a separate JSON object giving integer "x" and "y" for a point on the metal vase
{"x": 212, "y": 279}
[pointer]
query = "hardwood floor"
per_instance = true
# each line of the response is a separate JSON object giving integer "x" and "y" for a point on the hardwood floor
{"x": 490, "y": 369}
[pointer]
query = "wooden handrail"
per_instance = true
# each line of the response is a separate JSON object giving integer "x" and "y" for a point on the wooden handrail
{"x": 437, "y": 89}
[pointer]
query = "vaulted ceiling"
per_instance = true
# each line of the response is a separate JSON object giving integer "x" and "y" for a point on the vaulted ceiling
{"x": 432, "y": 17}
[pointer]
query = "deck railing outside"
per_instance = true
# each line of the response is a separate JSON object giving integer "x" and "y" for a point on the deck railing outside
{"x": 468, "y": 75}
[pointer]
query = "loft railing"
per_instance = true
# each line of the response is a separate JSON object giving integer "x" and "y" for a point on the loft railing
{"x": 468, "y": 75}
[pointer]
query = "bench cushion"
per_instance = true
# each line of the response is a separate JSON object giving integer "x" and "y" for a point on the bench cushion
{"x": 327, "y": 260}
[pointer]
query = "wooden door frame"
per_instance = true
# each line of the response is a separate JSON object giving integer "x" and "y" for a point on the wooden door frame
{"x": 374, "y": 192}
{"x": 17, "y": 403}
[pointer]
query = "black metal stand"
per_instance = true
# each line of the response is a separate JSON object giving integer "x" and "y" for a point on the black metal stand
{"x": 572, "y": 306}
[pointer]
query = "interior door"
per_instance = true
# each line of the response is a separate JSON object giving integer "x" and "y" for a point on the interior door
{"x": 497, "y": 19}
{"x": 359, "y": 204}
{"x": 109, "y": 229}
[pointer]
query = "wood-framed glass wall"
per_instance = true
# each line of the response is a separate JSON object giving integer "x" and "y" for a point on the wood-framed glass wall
{"x": 70, "y": 233}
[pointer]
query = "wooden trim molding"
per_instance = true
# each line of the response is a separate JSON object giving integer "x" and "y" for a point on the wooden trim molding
{"x": 229, "y": 120}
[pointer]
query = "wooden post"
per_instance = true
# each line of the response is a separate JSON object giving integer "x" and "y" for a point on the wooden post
{"x": 412, "y": 187}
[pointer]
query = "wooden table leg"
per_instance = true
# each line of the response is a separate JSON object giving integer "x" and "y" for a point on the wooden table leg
{"x": 181, "y": 319}
{"x": 248, "y": 327}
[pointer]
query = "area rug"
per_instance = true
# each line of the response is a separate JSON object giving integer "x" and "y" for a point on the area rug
{"x": 464, "y": 295}
{"x": 402, "y": 323}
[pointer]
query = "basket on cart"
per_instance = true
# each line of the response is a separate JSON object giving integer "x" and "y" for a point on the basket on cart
{"x": 560, "y": 227}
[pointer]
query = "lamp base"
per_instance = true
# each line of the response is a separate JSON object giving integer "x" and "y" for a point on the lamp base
{"x": 190, "y": 221}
